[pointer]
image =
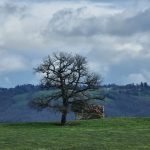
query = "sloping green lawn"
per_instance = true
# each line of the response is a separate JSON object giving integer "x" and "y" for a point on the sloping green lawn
{"x": 104, "y": 134}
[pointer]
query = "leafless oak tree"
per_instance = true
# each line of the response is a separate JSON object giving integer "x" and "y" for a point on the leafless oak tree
{"x": 70, "y": 75}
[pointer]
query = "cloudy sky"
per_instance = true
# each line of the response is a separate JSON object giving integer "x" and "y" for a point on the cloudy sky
{"x": 114, "y": 35}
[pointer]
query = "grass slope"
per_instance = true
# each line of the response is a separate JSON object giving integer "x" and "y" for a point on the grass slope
{"x": 104, "y": 134}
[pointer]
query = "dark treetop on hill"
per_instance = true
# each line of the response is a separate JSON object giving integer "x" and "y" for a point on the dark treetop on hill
{"x": 72, "y": 79}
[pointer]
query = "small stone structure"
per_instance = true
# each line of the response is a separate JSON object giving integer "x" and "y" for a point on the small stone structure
{"x": 91, "y": 112}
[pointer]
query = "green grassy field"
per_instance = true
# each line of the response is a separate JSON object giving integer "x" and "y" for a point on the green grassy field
{"x": 104, "y": 134}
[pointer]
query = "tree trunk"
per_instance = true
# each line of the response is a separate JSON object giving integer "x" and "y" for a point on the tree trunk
{"x": 64, "y": 117}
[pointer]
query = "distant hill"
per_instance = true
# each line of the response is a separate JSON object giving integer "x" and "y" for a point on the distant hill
{"x": 121, "y": 101}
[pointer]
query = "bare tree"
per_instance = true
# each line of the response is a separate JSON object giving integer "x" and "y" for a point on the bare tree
{"x": 72, "y": 79}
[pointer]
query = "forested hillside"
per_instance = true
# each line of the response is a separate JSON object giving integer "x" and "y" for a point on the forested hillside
{"x": 129, "y": 100}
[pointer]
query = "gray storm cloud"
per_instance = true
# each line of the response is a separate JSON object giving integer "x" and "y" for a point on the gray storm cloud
{"x": 112, "y": 35}
{"x": 71, "y": 23}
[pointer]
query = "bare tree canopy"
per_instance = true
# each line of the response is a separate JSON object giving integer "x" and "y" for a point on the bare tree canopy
{"x": 72, "y": 78}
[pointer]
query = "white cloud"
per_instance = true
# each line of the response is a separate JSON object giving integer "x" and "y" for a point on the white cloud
{"x": 10, "y": 63}
{"x": 137, "y": 78}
